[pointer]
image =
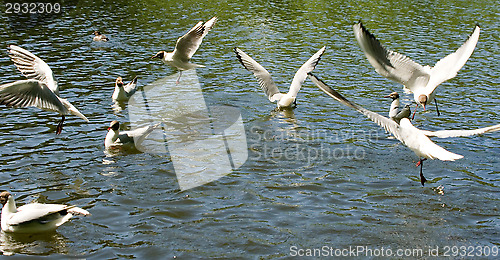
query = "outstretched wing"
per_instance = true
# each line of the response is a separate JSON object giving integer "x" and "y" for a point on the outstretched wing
{"x": 131, "y": 87}
{"x": 461, "y": 133}
{"x": 189, "y": 43}
{"x": 32, "y": 67}
{"x": 31, "y": 93}
{"x": 265, "y": 80}
{"x": 405, "y": 132}
{"x": 390, "y": 64}
{"x": 388, "y": 124}
{"x": 301, "y": 74}
{"x": 448, "y": 67}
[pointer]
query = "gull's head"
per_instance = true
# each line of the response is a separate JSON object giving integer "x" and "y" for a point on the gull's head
{"x": 114, "y": 125}
{"x": 119, "y": 82}
{"x": 97, "y": 33}
{"x": 4, "y": 197}
{"x": 422, "y": 99}
{"x": 159, "y": 55}
{"x": 393, "y": 96}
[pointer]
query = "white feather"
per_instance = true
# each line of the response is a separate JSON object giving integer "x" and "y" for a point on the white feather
{"x": 267, "y": 84}
{"x": 417, "y": 79}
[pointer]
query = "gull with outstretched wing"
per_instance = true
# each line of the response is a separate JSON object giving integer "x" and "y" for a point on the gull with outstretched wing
{"x": 401, "y": 127}
{"x": 420, "y": 80}
{"x": 39, "y": 90}
{"x": 186, "y": 47}
{"x": 284, "y": 100}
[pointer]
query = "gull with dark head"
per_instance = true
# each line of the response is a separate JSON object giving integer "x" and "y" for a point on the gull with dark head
{"x": 267, "y": 84}
{"x": 186, "y": 47}
{"x": 401, "y": 127}
{"x": 39, "y": 90}
{"x": 99, "y": 37}
{"x": 34, "y": 217}
{"x": 394, "y": 110}
{"x": 124, "y": 92}
{"x": 420, "y": 80}
{"x": 133, "y": 138}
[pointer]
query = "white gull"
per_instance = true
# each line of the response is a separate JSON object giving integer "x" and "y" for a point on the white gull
{"x": 420, "y": 80}
{"x": 186, "y": 47}
{"x": 401, "y": 127}
{"x": 34, "y": 217}
{"x": 267, "y": 84}
{"x": 39, "y": 90}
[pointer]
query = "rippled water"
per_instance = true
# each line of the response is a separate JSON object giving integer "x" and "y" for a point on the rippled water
{"x": 321, "y": 175}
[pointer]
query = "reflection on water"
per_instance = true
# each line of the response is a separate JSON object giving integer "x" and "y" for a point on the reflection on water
{"x": 287, "y": 114}
{"x": 118, "y": 106}
{"x": 33, "y": 244}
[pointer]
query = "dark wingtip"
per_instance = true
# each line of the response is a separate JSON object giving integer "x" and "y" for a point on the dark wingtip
{"x": 365, "y": 30}
{"x": 238, "y": 56}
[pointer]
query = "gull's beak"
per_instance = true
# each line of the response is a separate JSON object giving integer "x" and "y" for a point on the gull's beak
{"x": 387, "y": 96}
{"x": 423, "y": 106}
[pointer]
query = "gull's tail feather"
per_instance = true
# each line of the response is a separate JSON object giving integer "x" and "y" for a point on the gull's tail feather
{"x": 72, "y": 109}
{"x": 78, "y": 211}
{"x": 198, "y": 65}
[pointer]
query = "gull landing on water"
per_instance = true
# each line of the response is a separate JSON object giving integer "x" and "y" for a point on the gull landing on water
{"x": 186, "y": 47}
{"x": 267, "y": 84}
{"x": 39, "y": 90}
{"x": 116, "y": 138}
{"x": 34, "y": 217}
{"x": 415, "y": 139}
{"x": 420, "y": 80}
{"x": 124, "y": 92}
